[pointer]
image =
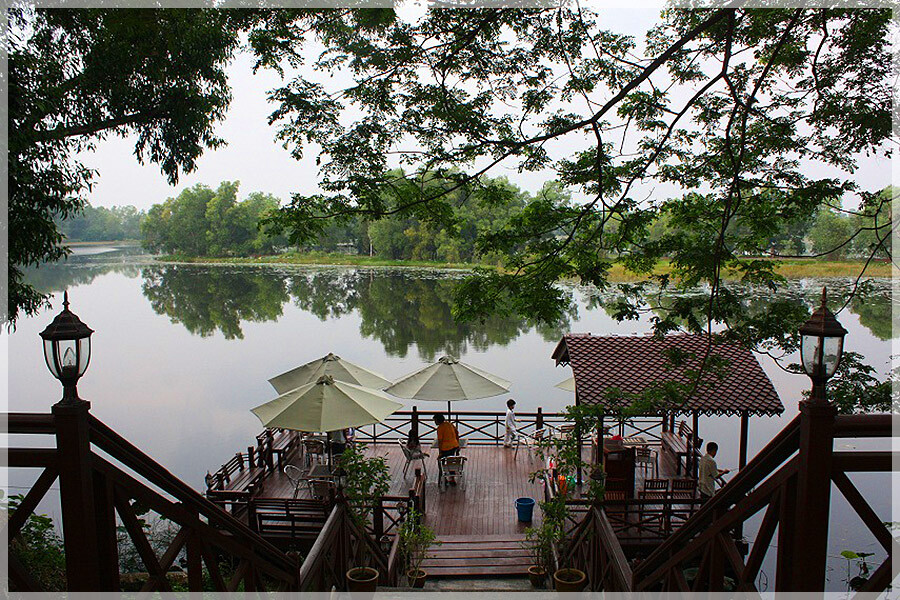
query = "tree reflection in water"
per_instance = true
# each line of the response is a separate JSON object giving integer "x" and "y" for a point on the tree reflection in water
{"x": 399, "y": 308}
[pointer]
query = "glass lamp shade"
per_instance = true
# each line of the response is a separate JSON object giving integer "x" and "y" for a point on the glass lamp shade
{"x": 67, "y": 358}
{"x": 828, "y": 350}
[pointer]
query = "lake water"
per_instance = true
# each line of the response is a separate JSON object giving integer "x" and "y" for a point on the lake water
{"x": 181, "y": 353}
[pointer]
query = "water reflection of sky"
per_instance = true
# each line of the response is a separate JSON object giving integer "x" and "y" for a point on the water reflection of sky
{"x": 181, "y": 353}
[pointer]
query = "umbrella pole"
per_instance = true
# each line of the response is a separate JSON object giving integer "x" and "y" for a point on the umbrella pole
{"x": 449, "y": 414}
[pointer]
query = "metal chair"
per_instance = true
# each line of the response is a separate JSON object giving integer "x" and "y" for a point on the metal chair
{"x": 314, "y": 449}
{"x": 411, "y": 455}
{"x": 296, "y": 476}
{"x": 451, "y": 467}
{"x": 644, "y": 458}
{"x": 320, "y": 489}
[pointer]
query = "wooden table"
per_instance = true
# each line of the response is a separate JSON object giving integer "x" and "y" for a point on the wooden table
{"x": 320, "y": 472}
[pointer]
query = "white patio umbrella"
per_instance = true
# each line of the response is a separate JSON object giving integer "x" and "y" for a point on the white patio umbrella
{"x": 326, "y": 405}
{"x": 330, "y": 364}
{"x": 448, "y": 380}
{"x": 568, "y": 384}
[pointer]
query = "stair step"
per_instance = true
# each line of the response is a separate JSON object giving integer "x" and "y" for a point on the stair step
{"x": 488, "y": 556}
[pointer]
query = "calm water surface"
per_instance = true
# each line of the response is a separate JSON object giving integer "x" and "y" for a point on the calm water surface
{"x": 182, "y": 352}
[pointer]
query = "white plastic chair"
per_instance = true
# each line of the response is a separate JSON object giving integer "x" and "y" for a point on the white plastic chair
{"x": 529, "y": 441}
{"x": 452, "y": 467}
{"x": 411, "y": 455}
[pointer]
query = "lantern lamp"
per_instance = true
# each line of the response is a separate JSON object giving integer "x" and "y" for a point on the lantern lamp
{"x": 821, "y": 346}
{"x": 67, "y": 350}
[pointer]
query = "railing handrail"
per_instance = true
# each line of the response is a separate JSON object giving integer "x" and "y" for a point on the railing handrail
{"x": 135, "y": 459}
{"x": 30, "y": 423}
{"x": 307, "y": 569}
{"x": 866, "y": 425}
{"x": 608, "y": 540}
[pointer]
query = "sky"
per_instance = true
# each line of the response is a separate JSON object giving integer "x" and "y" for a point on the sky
{"x": 261, "y": 164}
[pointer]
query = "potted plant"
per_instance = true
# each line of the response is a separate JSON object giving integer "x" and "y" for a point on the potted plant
{"x": 539, "y": 542}
{"x": 366, "y": 478}
{"x": 567, "y": 461}
{"x": 415, "y": 540}
{"x": 362, "y": 579}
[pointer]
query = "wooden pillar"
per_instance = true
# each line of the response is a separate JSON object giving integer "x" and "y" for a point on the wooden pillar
{"x": 84, "y": 568}
{"x": 378, "y": 518}
{"x": 601, "y": 458}
{"x": 414, "y": 422}
{"x": 694, "y": 470}
{"x": 745, "y": 425}
{"x": 813, "y": 494}
{"x": 418, "y": 475}
{"x": 539, "y": 420}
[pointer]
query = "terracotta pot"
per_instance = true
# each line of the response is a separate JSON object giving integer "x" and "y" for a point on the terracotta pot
{"x": 417, "y": 577}
{"x": 569, "y": 580}
{"x": 362, "y": 579}
{"x": 537, "y": 575}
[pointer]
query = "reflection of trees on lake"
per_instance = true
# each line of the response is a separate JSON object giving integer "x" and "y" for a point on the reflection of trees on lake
{"x": 215, "y": 299}
{"x": 56, "y": 277}
{"x": 874, "y": 313}
{"x": 400, "y": 309}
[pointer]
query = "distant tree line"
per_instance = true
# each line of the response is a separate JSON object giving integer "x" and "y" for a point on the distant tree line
{"x": 101, "y": 224}
{"x": 201, "y": 221}
{"x": 477, "y": 212}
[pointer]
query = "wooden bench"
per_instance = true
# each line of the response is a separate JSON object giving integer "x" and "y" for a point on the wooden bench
{"x": 283, "y": 443}
{"x": 678, "y": 444}
{"x": 287, "y": 518}
{"x": 237, "y": 478}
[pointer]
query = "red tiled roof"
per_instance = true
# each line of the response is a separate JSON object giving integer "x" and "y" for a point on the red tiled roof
{"x": 634, "y": 363}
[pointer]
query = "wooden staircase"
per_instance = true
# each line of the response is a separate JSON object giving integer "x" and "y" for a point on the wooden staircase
{"x": 485, "y": 557}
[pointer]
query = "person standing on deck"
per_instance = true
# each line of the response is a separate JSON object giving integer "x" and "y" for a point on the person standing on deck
{"x": 512, "y": 431}
{"x": 709, "y": 471}
{"x": 447, "y": 440}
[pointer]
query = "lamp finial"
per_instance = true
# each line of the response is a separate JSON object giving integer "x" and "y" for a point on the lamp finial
{"x": 66, "y": 300}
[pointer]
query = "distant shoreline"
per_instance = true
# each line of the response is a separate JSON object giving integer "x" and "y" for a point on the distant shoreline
{"x": 789, "y": 268}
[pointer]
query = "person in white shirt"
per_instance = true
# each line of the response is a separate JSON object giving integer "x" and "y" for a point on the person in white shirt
{"x": 512, "y": 431}
{"x": 709, "y": 471}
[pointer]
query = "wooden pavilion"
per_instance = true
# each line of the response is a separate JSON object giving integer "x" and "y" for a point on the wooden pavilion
{"x": 613, "y": 370}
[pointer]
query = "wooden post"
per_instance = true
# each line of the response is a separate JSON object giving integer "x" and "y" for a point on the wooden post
{"x": 414, "y": 422}
{"x": 539, "y": 420}
{"x": 269, "y": 464}
{"x": 84, "y": 568}
{"x": 418, "y": 475}
{"x": 745, "y": 423}
{"x": 107, "y": 545}
{"x": 694, "y": 470}
{"x": 601, "y": 458}
{"x": 378, "y": 518}
{"x": 194, "y": 561}
{"x": 813, "y": 494}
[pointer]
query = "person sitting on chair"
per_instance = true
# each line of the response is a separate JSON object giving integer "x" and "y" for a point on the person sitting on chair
{"x": 412, "y": 442}
{"x": 447, "y": 440}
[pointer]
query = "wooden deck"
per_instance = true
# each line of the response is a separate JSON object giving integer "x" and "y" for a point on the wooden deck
{"x": 482, "y": 505}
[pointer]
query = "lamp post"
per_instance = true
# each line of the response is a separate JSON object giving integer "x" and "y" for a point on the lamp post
{"x": 67, "y": 350}
{"x": 803, "y": 559}
{"x": 88, "y": 520}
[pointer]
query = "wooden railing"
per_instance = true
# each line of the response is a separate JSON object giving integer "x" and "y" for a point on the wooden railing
{"x": 771, "y": 484}
{"x": 340, "y": 546}
{"x": 98, "y": 491}
{"x": 487, "y": 428}
{"x": 595, "y": 549}
{"x": 240, "y": 477}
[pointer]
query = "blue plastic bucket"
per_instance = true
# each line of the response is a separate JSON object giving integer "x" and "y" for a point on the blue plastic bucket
{"x": 525, "y": 508}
